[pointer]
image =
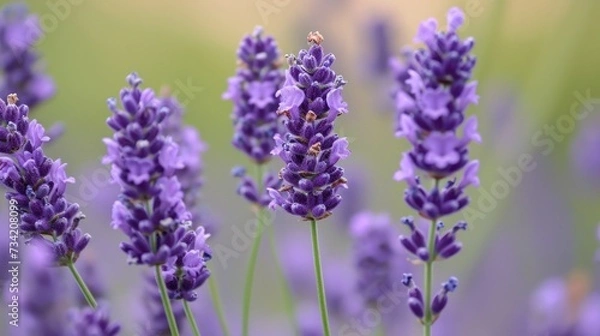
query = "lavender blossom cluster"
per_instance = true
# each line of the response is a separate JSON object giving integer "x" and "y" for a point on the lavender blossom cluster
{"x": 434, "y": 90}
{"x": 311, "y": 101}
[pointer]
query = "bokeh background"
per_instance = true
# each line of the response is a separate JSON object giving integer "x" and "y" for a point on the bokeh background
{"x": 536, "y": 59}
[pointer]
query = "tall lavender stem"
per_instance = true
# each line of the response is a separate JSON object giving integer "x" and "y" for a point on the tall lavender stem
{"x": 319, "y": 276}
{"x": 434, "y": 90}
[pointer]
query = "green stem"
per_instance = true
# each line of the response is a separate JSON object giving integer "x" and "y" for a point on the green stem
{"x": 166, "y": 301}
{"x": 319, "y": 276}
{"x": 190, "y": 318}
{"x": 253, "y": 258}
{"x": 216, "y": 299}
{"x": 89, "y": 297}
{"x": 428, "y": 275}
{"x": 288, "y": 296}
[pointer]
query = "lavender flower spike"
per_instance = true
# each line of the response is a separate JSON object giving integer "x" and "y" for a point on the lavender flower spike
{"x": 37, "y": 185}
{"x": 252, "y": 91}
{"x": 311, "y": 100}
{"x": 92, "y": 322}
{"x": 19, "y": 32}
{"x": 433, "y": 92}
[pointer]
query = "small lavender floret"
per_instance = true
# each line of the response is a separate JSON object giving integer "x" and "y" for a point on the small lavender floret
{"x": 311, "y": 100}
{"x": 38, "y": 184}
{"x": 93, "y": 322}
{"x": 441, "y": 299}
{"x": 19, "y": 33}
{"x": 375, "y": 253}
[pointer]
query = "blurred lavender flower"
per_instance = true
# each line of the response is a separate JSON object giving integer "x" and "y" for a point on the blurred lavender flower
{"x": 380, "y": 39}
{"x": 586, "y": 164}
{"x": 150, "y": 209}
{"x": 41, "y": 295}
{"x": 92, "y": 322}
{"x": 38, "y": 185}
{"x": 252, "y": 91}
{"x": 355, "y": 199}
{"x": 376, "y": 254}
{"x": 191, "y": 149}
{"x": 432, "y": 95}
{"x": 311, "y": 100}
{"x": 565, "y": 308}
{"x": 19, "y": 31}
{"x": 153, "y": 320}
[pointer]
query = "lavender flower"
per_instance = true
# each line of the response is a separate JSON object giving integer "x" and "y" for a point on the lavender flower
{"x": 376, "y": 254}
{"x": 565, "y": 307}
{"x": 154, "y": 321}
{"x": 587, "y": 165}
{"x": 432, "y": 95}
{"x": 252, "y": 91}
{"x": 38, "y": 185}
{"x": 311, "y": 100}
{"x": 41, "y": 294}
{"x": 150, "y": 210}
{"x": 19, "y": 31}
{"x": 92, "y": 322}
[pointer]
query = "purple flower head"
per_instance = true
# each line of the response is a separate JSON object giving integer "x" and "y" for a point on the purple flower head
{"x": 252, "y": 91}
{"x": 37, "y": 186}
{"x": 153, "y": 320}
{"x": 187, "y": 272}
{"x": 19, "y": 31}
{"x": 311, "y": 100}
{"x": 92, "y": 322}
{"x": 41, "y": 295}
{"x": 249, "y": 190}
{"x": 434, "y": 89}
{"x": 565, "y": 307}
{"x": 376, "y": 254}
{"x": 585, "y": 161}
{"x": 415, "y": 296}
{"x": 191, "y": 149}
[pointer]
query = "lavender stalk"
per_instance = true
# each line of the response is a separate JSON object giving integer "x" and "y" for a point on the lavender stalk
{"x": 433, "y": 93}
{"x": 311, "y": 100}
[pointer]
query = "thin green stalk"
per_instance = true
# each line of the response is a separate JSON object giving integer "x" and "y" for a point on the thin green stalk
{"x": 319, "y": 276}
{"x": 89, "y": 297}
{"x": 428, "y": 275}
{"x": 288, "y": 296}
{"x": 216, "y": 299}
{"x": 252, "y": 261}
{"x": 166, "y": 302}
{"x": 190, "y": 318}
{"x": 160, "y": 282}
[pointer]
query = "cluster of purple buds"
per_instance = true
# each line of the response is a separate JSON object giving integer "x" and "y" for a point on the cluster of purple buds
{"x": 445, "y": 245}
{"x": 92, "y": 322}
{"x": 252, "y": 91}
{"x": 415, "y": 296}
{"x": 37, "y": 185}
{"x": 190, "y": 152}
{"x": 19, "y": 32}
{"x": 311, "y": 100}
{"x": 434, "y": 90}
{"x": 151, "y": 210}
{"x": 249, "y": 190}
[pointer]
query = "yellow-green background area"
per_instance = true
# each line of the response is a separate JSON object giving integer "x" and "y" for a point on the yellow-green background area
{"x": 541, "y": 51}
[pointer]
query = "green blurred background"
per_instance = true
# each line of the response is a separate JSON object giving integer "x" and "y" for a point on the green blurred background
{"x": 533, "y": 55}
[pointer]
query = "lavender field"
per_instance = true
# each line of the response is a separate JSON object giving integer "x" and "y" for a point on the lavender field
{"x": 307, "y": 168}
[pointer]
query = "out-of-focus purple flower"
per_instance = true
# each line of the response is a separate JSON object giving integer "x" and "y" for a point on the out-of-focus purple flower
{"x": 92, "y": 322}
{"x": 19, "y": 31}
{"x": 252, "y": 91}
{"x": 565, "y": 307}
{"x": 37, "y": 185}
{"x": 41, "y": 295}
{"x": 153, "y": 320}
{"x": 585, "y": 160}
{"x": 433, "y": 92}
{"x": 191, "y": 149}
{"x": 311, "y": 100}
{"x": 355, "y": 199}
{"x": 249, "y": 190}
{"x": 150, "y": 209}
{"x": 380, "y": 46}
{"x": 376, "y": 254}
